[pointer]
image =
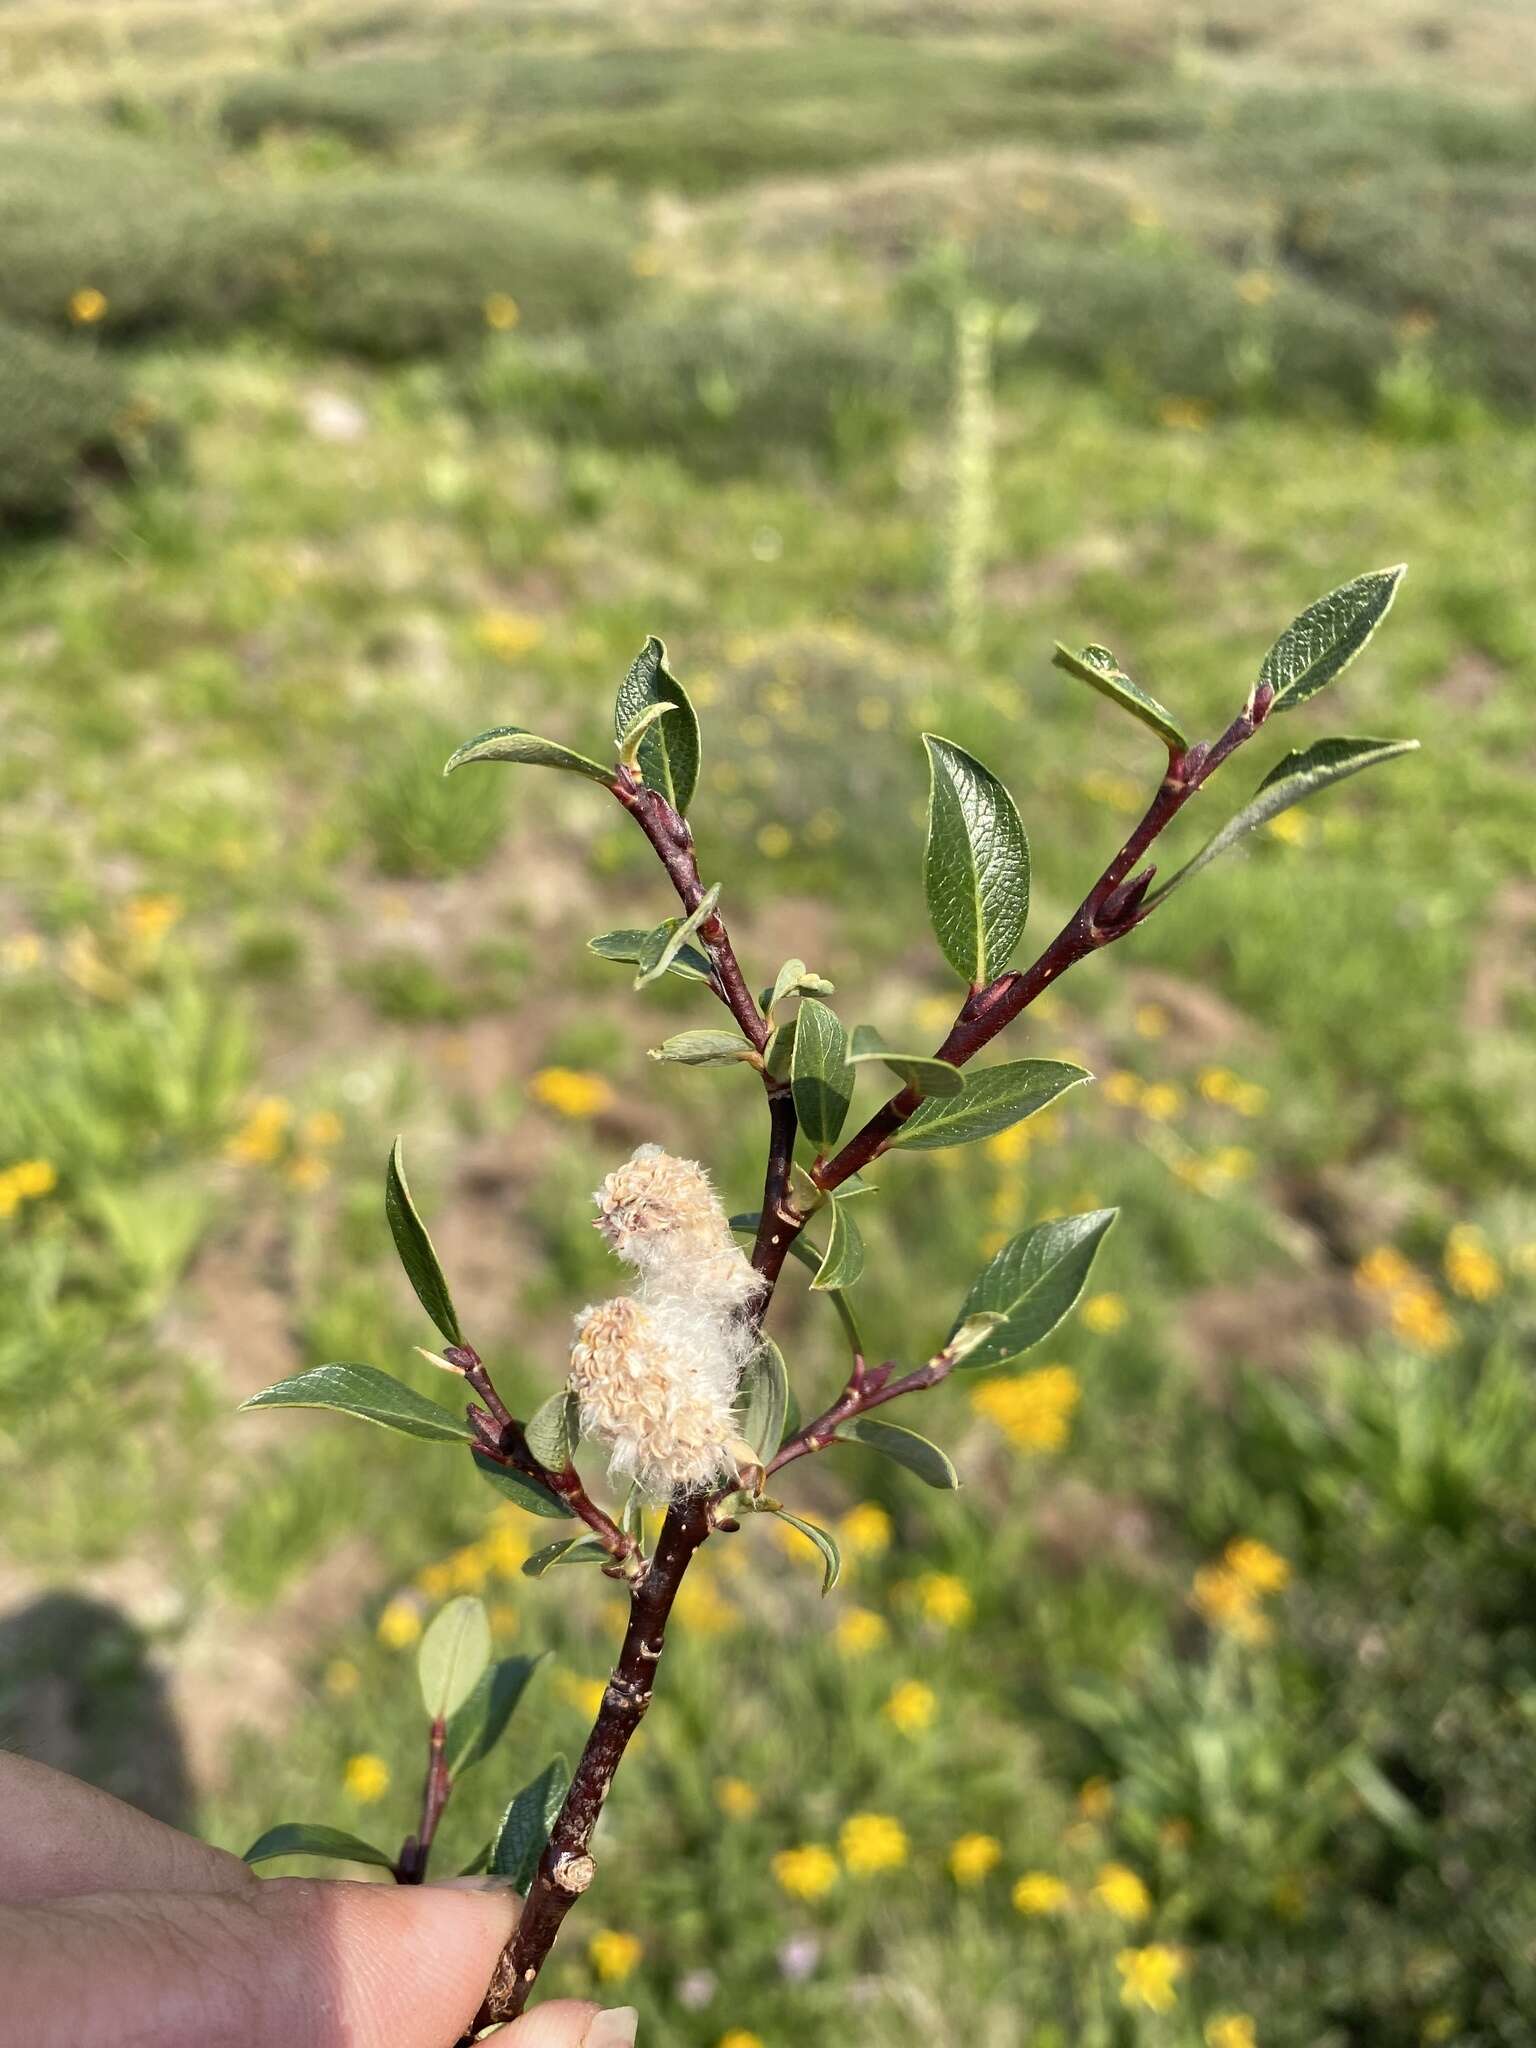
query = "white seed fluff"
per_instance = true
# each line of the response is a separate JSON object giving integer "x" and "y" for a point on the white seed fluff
{"x": 657, "y": 1373}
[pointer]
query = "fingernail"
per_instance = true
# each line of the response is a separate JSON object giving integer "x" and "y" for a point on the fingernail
{"x": 503, "y": 1887}
{"x": 615, "y": 2028}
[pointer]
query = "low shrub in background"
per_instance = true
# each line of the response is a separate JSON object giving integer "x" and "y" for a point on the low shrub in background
{"x": 63, "y": 411}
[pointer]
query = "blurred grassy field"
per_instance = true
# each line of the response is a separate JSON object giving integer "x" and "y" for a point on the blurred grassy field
{"x": 372, "y": 374}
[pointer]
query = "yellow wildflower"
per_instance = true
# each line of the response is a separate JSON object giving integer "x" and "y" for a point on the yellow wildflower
{"x": 148, "y": 918}
{"x": 469, "y": 1568}
{"x": 872, "y": 1842}
{"x": 507, "y": 1549}
{"x": 1230, "y": 2030}
{"x": 700, "y": 1607}
{"x": 586, "y": 1694}
{"x": 1228, "y": 1602}
{"x": 1265, "y": 1570}
{"x": 1149, "y": 1019}
{"x": 87, "y": 306}
{"x": 774, "y": 841}
{"x": 912, "y": 1707}
{"x": 943, "y": 1598}
{"x": 859, "y": 1631}
{"x": 1010, "y": 1146}
{"x": 399, "y": 1624}
{"x": 1255, "y": 287}
{"x": 1290, "y": 828}
{"x": 508, "y": 634}
{"x": 740, "y": 2037}
{"x": 342, "y": 1678}
{"x": 613, "y": 1955}
{"x": 1118, "y": 1888}
{"x": 1038, "y": 1892}
{"x": 735, "y": 1798}
{"x": 32, "y": 1178}
{"x": 1384, "y": 1271}
{"x": 366, "y": 1778}
{"x": 1095, "y": 1798}
{"x": 1103, "y": 1314}
{"x": 806, "y": 1872}
{"x": 1123, "y": 1088}
{"x": 570, "y": 1093}
{"x": 865, "y": 1529}
{"x": 1161, "y": 1102}
{"x": 435, "y": 1580}
{"x": 1471, "y": 1270}
{"x": 308, "y": 1170}
{"x": 322, "y": 1127}
{"x": 973, "y": 1858}
{"x": 501, "y": 311}
{"x": 1150, "y": 1976}
{"x": 260, "y": 1138}
{"x": 1033, "y": 1409}
{"x": 1419, "y": 1317}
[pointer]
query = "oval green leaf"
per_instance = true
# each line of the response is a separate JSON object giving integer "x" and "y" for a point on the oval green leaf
{"x": 912, "y": 1069}
{"x": 571, "y": 1550}
{"x": 1321, "y": 644}
{"x": 831, "y": 1556}
{"x": 819, "y": 1072}
{"x": 512, "y": 743}
{"x": 931, "y": 1465}
{"x": 1098, "y": 668}
{"x": 518, "y": 1487}
{"x": 304, "y": 1838}
{"x": 454, "y": 1655}
{"x": 703, "y": 1049}
{"x": 413, "y": 1244}
{"x": 1031, "y": 1284}
{"x": 630, "y": 946}
{"x": 1302, "y": 773}
{"x": 992, "y": 1099}
{"x": 658, "y": 958}
{"x": 844, "y": 1260}
{"x": 764, "y": 1400}
{"x": 365, "y": 1391}
{"x": 553, "y": 1431}
{"x": 478, "y": 1725}
{"x": 807, "y": 1254}
{"x": 525, "y": 1826}
{"x": 976, "y": 867}
{"x": 667, "y": 755}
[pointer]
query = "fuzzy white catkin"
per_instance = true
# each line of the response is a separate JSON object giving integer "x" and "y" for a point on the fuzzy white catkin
{"x": 657, "y": 1374}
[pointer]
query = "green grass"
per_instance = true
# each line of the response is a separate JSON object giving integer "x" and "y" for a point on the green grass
{"x": 248, "y": 934}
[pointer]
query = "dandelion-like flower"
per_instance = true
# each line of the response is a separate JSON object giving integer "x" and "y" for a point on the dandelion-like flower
{"x": 661, "y": 1215}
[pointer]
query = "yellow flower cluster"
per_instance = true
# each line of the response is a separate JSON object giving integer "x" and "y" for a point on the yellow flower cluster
{"x": 269, "y": 1134}
{"x": 1471, "y": 1270}
{"x": 808, "y": 1872}
{"x": 872, "y": 1842}
{"x": 1149, "y": 1976}
{"x": 1231, "y": 1091}
{"x": 1095, "y": 1799}
{"x": 1103, "y": 1314}
{"x": 1230, "y": 2030}
{"x": 1228, "y": 1593}
{"x": 859, "y": 1630}
{"x": 740, "y": 2037}
{"x": 502, "y": 312}
{"x": 942, "y": 1598}
{"x": 1414, "y": 1306}
{"x": 27, "y": 1181}
{"x": 1033, "y": 1409}
{"x": 701, "y": 1607}
{"x": 147, "y": 919}
{"x": 614, "y": 1955}
{"x": 399, "y": 1625}
{"x": 735, "y": 1798}
{"x": 912, "y": 1707}
{"x": 507, "y": 634}
{"x": 570, "y": 1093}
{"x": 500, "y": 1553}
{"x": 1120, "y": 1891}
{"x": 865, "y": 1530}
{"x": 365, "y": 1779}
{"x": 87, "y": 306}
{"x": 1037, "y": 1892}
{"x": 973, "y": 1858}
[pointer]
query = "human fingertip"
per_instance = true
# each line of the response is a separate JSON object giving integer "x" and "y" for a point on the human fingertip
{"x": 615, "y": 2028}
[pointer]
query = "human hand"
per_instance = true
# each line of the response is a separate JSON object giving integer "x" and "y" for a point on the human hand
{"x": 119, "y": 1931}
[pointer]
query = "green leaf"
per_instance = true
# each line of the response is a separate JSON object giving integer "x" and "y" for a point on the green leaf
{"x": 930, "y": 1464}
{"x": 1097, "y": 667}
{"x": 304, "y": 1838}
{"x": 524, "y": 1831}
{"x": 454, "y": 1656}
{"x": 703, "y": 1049}
{"x": 807, "y": 1254}
{"x": 831, "y": 1556}
{"x": 512, "y": 743}
{"x": 913, "y": 1070}
{"x": 554, "y": 1430}
{"x": 630, "y": 946}
{"x": 364, "y": 1390}
{"x": 517, "y": 1486}
{"x": 476, "y": 1727}
{"x": 1031, "y": 1284}
{"x": 820, "y": 1074}
{"x": 844, "y": 1260}
{"x": 415, "y": 1248}
{"x": 794, "y": 979}
{"x": 656, "y": 963}
{"x": 629, "y": 739}
{"x": 778, "y": 1054}
{"x": 669, "y": 751}
{"x": 764, "y": 1399}
{"x": 1302, "y": 773}
{"x": 976, "y": 868}
{"x": 1322, "y": 643}
{"x": 570, "y": 1550}
{"x": 992, "y": 1099}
